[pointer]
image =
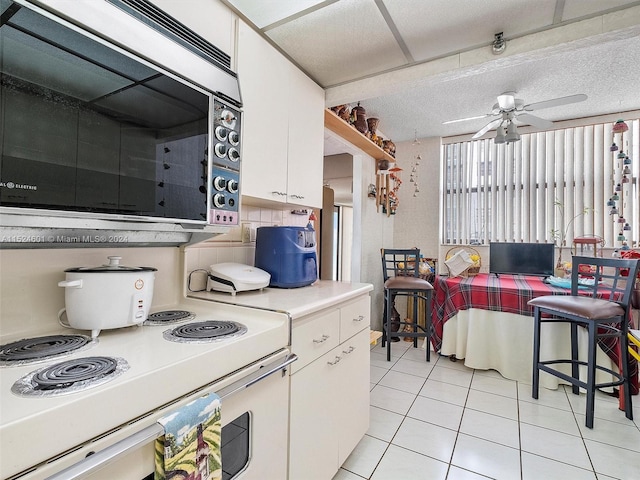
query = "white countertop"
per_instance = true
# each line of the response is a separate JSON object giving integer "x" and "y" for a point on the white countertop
{"x": 296, "y": 302}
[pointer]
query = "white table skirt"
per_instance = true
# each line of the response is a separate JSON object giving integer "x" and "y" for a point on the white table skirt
{"x": 504, "y": 342}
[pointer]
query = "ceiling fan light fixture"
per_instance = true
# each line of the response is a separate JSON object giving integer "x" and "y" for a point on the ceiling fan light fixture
{"x": 512, "y": 133}
{"x": 499, "y": 44}
{"x": 500, "y": 135}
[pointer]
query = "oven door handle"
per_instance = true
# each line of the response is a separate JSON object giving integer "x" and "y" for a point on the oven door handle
{"x": 152, "y": 432}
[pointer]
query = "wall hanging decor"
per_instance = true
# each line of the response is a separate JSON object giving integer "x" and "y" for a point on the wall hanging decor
{"x": 619, "y": 201}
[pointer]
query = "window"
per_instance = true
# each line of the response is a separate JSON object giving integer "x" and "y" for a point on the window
{"x": 510, "y": 192}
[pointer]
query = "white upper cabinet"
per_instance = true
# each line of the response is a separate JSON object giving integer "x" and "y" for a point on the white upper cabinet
{"x": 283, "y": 125}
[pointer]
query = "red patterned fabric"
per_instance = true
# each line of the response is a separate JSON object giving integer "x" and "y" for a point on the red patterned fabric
{"x": 503, "y": 293}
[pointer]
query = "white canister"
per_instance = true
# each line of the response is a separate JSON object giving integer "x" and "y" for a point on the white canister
{"x": 107, "y": 296}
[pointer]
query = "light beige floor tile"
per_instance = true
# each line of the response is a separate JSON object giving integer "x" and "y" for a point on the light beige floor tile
{"x": 494, "y": 404}
{"x": 456, "y": 473}
{"x": 612, "y": 433}
{"x": 402, "y": 381}
{"x": 399, "y": 463}
{"x": 376, "y": 373}
{"x": 383, "y": 424}
{"x": 365, "y": 456}
{"x": 380, "y": 360}
{"x": 446, "y": 392}
{"x": 613, "y": 461}
{"x": 550, "y": 398}
{"x": 536, "y": 468}
{"x": 418, "y": 354}
{"x": 419, "y": 369}
{"x": 426, "y": 438}
{"x": 554, "y": 445}
{"x": 498, "y": 386}
{"x": 439, "y": 413}
{"x": 486, "y": 458}
{"x": 391, "y": 399}
{"x": 547, "y": 417}
{"x": 607, "y": 408}
{"x": 346, "y": 475}
{"x": 462, "y": 378}
{"x": 491, "y": 427}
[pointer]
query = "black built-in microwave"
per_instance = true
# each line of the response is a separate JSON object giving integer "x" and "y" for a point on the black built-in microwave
{"x": 91, "y": 125}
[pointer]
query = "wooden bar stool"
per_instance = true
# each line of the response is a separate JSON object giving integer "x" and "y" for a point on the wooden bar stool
{"x": 401, "y": 274}
{"x": 600, "y": 301}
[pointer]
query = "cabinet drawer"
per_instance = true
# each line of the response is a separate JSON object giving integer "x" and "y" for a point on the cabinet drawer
{"x": 354, "y": 317}
{"x": 314, "y": 337}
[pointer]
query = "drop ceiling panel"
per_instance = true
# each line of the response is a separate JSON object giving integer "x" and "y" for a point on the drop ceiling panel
{"x": 580, "y": 8}
{"x": 585, "y": 71}
{"x": 433, "y": 28}
{"x": 346, "y": 40}
{"x": 265, "y": 12}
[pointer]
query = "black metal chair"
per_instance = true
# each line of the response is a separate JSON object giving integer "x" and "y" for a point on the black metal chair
{"x": 401, "y": 274}
{"x": 603, "y": 308}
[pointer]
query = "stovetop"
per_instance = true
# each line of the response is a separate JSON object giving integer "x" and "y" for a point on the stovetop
{"x": 158, "y": 371}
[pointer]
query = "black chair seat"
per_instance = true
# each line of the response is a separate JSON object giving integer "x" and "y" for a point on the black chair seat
{"x": 603, "y": 308}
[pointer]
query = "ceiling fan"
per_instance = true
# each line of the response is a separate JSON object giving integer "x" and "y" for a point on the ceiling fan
{"x": 512, "y": 111}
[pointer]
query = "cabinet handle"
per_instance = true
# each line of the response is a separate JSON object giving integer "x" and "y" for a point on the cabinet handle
{"x": 359, "y": 319}
{"x": 335, "y": 361}
{"x": 300, "y": 197}
{"x": 351, "y": 349}
{"x": 322, "y": 339}
{"x": 282, "y": 194}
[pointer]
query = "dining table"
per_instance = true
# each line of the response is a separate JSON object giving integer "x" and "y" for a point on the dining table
{"x": 487, "y": 317}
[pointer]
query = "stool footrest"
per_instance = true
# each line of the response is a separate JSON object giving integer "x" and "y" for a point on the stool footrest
{"x": 577, "y": 382}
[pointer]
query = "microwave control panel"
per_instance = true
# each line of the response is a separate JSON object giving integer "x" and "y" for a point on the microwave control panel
{"x": 224, "y": 174}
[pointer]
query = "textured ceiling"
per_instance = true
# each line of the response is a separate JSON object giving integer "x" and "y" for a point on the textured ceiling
{"x": 417, "y": 63}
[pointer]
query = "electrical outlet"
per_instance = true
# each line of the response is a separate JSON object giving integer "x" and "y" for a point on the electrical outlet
{"x": 246, "y": 233}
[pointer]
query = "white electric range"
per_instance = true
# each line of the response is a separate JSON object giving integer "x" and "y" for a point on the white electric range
{"x": 41, "y": 435}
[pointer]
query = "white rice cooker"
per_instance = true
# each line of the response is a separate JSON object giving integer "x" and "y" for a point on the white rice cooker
{"x": 106, "y": 296}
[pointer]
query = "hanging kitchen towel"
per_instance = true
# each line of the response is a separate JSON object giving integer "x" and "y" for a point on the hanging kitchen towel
{"x": 190, "y": 446}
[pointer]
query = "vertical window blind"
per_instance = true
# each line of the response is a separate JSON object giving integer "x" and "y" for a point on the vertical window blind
{"x": 548, "y": 182}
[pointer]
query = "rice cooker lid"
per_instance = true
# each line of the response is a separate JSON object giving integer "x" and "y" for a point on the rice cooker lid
{"x": 112, "y": 266}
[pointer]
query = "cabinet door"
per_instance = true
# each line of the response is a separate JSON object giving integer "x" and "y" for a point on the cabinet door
{"x": 352, "y": 395}
{"x": 264, "y": 75}
{"x": 306, "y": 141}
{"x": 313, "y": 434}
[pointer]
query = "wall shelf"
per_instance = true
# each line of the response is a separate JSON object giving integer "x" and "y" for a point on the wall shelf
{"x": 348, "y": 132}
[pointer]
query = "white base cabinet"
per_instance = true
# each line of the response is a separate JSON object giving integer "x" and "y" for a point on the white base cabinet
{"x": 329, "y": 412}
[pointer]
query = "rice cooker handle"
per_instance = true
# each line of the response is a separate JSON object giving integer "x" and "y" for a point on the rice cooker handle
{"x": 71, "y": 283}
{"x": 60, "y": 321}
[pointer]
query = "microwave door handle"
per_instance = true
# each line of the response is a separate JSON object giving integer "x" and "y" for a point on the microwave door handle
{"x": 152, "y": 432}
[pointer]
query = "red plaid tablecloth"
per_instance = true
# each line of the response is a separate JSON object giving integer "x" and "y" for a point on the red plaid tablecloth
{"x": 503, "y": 293}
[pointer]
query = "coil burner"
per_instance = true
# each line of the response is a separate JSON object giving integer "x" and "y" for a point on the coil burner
{"x": 40, "y": 349}
{"x": 205, "y": 332}
{"x": 70, "y": 376}
{"x": 168, "y": 317}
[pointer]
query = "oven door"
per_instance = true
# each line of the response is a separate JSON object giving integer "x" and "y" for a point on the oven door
{"x": 255, "y": 410}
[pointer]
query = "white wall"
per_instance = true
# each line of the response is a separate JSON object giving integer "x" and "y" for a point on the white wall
{"x": 417, "y": 218}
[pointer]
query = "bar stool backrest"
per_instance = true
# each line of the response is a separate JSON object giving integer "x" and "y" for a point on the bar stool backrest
{"x": 400, "y": 262}
{"x": 607, "y": 278}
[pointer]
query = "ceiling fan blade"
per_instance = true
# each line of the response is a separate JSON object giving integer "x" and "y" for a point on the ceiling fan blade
{"x": 528, "y": 119}
{"x": 489, "y": 126}
{"x": 466, "y": 119}
{"x": 556, "y": 102}
{"x": 506, "y": 101}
